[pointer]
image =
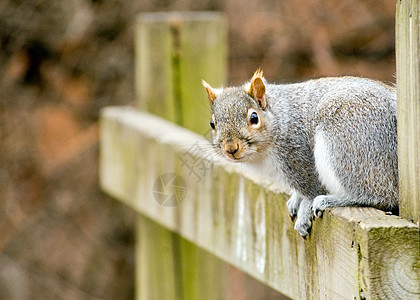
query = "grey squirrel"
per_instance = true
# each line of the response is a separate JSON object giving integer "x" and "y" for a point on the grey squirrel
{"x": 330, "y": 141}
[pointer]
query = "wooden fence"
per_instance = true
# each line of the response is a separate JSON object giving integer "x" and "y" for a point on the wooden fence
{"x": 198, "y": 217}
{"x": 408, "y": 95}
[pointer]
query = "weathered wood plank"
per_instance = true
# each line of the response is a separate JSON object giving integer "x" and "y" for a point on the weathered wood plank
{"x": 385, "y": 256}
{"x": 174, "y": 51}
{"x": 351, "y": 253}
{"x": 408, "y": 95}
{"x": 170, "y": 267}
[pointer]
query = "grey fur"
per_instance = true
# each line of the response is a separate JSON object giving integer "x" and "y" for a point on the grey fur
{"x": 352, "y": 119}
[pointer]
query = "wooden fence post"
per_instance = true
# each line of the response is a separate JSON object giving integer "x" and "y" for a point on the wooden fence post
{"x": 408, "y": 95}
{"x": 174, "y": 51}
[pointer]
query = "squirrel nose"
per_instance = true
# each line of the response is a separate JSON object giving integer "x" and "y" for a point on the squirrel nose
{"x": 231, "y": 148}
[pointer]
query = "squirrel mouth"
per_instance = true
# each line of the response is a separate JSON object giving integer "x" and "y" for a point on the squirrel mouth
{"x": 235, "y": 158}
{"x": 233, "y": 150}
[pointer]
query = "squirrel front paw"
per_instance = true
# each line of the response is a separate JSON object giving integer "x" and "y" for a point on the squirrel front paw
{"x": 319, "y": 204}
{"x": 293, "y": 205}
{"x": 303, "y": 225}
{"x": 304, "y": 218}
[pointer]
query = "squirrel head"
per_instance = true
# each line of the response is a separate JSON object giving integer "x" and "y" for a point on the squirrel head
{"x": 239, "y": 120}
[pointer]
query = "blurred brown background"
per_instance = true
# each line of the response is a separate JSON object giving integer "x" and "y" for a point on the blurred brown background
{"x": 61, "y": 61}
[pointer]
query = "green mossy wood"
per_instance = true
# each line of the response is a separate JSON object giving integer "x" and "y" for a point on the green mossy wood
{"x": 174, "y": 51}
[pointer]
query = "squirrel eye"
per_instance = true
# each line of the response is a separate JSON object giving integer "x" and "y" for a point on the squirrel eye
{"x": 212, "y": 123}
{"x": 254, "y": 118}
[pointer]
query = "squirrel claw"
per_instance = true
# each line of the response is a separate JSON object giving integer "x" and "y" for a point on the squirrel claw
{"x": 293, "y": 206}
{"x": 319, "y": 205}
{"x": 318, "y": 213}
{"x": 303, "y": 226}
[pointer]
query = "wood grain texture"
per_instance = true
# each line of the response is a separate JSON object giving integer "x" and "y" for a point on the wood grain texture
{"x": 408, "y": 104}
{"x": 351, "y": 253}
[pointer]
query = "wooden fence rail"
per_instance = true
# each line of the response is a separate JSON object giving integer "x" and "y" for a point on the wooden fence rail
{"x": 198, "y": 216}
{"x": 351, "y": 252}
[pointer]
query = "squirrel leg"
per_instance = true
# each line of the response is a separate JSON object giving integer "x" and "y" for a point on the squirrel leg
{"x": 293, "y": 204}
{"x": 304, "y": 217}
{"x": 321, "y": 202}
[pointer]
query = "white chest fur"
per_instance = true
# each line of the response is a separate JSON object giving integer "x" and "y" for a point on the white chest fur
{"x": 267, "y": 170}
{"x": 324, "y": 164}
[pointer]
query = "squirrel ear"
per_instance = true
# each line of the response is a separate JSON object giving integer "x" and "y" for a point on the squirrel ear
{"x": 210, "y": 92}
{"x": 257, "y": 88}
